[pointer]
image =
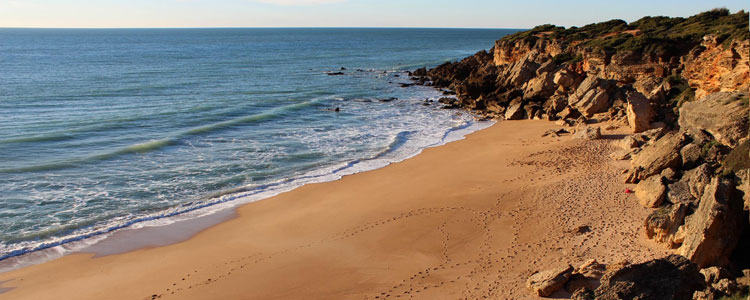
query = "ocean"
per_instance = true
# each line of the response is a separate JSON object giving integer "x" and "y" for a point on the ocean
{"x": 103, "y": 129}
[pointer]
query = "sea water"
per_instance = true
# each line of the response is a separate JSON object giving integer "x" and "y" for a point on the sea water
{"x": 103, "y": 129}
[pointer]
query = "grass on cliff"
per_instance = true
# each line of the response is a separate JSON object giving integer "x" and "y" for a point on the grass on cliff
{"x": 738, "y": 158}
{"x": 680, "y": 91}
{"x": 658, "y": 35}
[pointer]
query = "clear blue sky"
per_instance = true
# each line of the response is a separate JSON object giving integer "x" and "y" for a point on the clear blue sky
{"x": 340, "y": 13}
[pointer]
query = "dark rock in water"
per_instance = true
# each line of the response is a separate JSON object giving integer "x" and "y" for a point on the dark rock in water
{"x": 672, "y": 277}
{"x": 407, "y": 84}
{"x": 360, "y": 70}
{"x": 396, "y": 75}
{"x": 447, "y": 100}
{"x": 342, "y": 69}
{"x": 420, "y": 72}
{"x": 334, "y": 73}
{"x": 388, "y": 99}
{"x": 448, "y": 92}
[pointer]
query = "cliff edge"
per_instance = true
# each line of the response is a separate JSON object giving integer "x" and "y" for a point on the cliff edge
{"x": 680, "y": 88}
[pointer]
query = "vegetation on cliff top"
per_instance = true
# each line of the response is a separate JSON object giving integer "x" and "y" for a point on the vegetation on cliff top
{"x": 660, "y": 35}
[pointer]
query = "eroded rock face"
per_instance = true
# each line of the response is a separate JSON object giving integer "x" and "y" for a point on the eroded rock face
{"x": 651, "y": 191}
{"x": 717, "y": 68}
{"x": 724, "y": 115}
{"x": 664, "y": 153}
{"x": 710, "y": 234}
{"x": 565, "y": 79}
{"x": 639, "y": 112}
{"x": 697, "y": 179}
{"x": 690, "y": 155}
{"x": 547, "y": 282}
{"x": 515, "y": 110}
{"x": 672, "y": 277}
{"x": 663, "y": 223}
{"x": 586, "y": 277}
{"x": 539, "y": 87}
{"x": 592, "y": 102}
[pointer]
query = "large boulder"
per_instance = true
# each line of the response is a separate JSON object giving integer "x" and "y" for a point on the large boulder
{"x": 539, "y": 87}
{"x": 547, "y": 282}
{"x": 679, "y": 192}
{"x": 520, "y": 72}
{"x": 724, "y": 115}
{"x": 565, "y": 79}
{"x": 592, "y": 102}
{"x": 555, "y": 104}
{"x": 663, "y": 223}
{"x": 651, "y": 191}
{"x": 690, "y": 155}
{"x": 672, "y": 277}
{"x": 591, "y": 96}
{"x": 639, "y": 112}
{"x": 697, "y": 179}
{"x": 586, "y": 276}
{"x": 515, "y": 110}
{"x": 588, "y": 133}
{"x": 710, "y": 234}
{"x": 657, "y": 156}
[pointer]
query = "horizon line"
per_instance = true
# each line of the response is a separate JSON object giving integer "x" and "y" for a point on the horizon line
{"x": 273, "y": 27}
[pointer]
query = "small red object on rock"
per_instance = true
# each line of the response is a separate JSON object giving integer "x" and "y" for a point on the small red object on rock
{"x": 628, "y": 191}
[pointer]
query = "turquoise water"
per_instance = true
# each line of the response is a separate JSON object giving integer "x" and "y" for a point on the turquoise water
{"x": 105, "y": 129}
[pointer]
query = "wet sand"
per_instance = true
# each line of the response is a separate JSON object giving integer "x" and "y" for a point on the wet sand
{"x": 467, "y": 220}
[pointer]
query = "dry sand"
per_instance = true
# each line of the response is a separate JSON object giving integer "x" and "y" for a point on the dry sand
{"x": 468, "y": 220}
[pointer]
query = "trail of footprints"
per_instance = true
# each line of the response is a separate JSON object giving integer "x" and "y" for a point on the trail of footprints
{"x": 480, "y": 276}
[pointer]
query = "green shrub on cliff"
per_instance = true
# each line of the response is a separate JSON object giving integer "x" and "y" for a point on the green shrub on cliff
{"x": 566, "y": 57}
{"x": 662, "y": 36}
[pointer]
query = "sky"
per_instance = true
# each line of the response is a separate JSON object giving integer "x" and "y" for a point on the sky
{"x": 340, "y": 13}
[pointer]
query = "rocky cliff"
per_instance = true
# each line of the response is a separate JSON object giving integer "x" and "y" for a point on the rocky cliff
{"x": 555, "y": 73}
{"x": 679, "y": 85}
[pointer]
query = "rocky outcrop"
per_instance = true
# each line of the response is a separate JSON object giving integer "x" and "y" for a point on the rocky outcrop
{"x": 724, "y": 115}
{"x": 639, "y": 112}
{"x": 679, "y": 85}
{"x": 651, "y": 191}
{"x": 515, "y": 110}
{"x": 673, "y": 277}
{"x": 713, "y": 67}
{"x": 655, "y": 157}
{"x": 662, "y": 224}
{"x": 586, "y": 276}
{"x": 706, "y": 236}
{"x": 588, "y": 133}
{"x": 545, "y": 283}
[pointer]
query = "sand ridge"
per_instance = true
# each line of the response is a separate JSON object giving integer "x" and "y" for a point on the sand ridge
{"x": 468, "y": 220}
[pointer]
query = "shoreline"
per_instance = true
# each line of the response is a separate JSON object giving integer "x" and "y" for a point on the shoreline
{"x": 164, "y": 229}
{"x": 480, "y": 212}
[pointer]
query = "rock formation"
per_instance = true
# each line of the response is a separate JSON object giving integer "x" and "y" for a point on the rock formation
{"x": 680, "y": 86}
{"x": 673, "y": 277}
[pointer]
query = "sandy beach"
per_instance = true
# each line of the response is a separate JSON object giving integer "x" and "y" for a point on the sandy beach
{"x": 468, "y": 220}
